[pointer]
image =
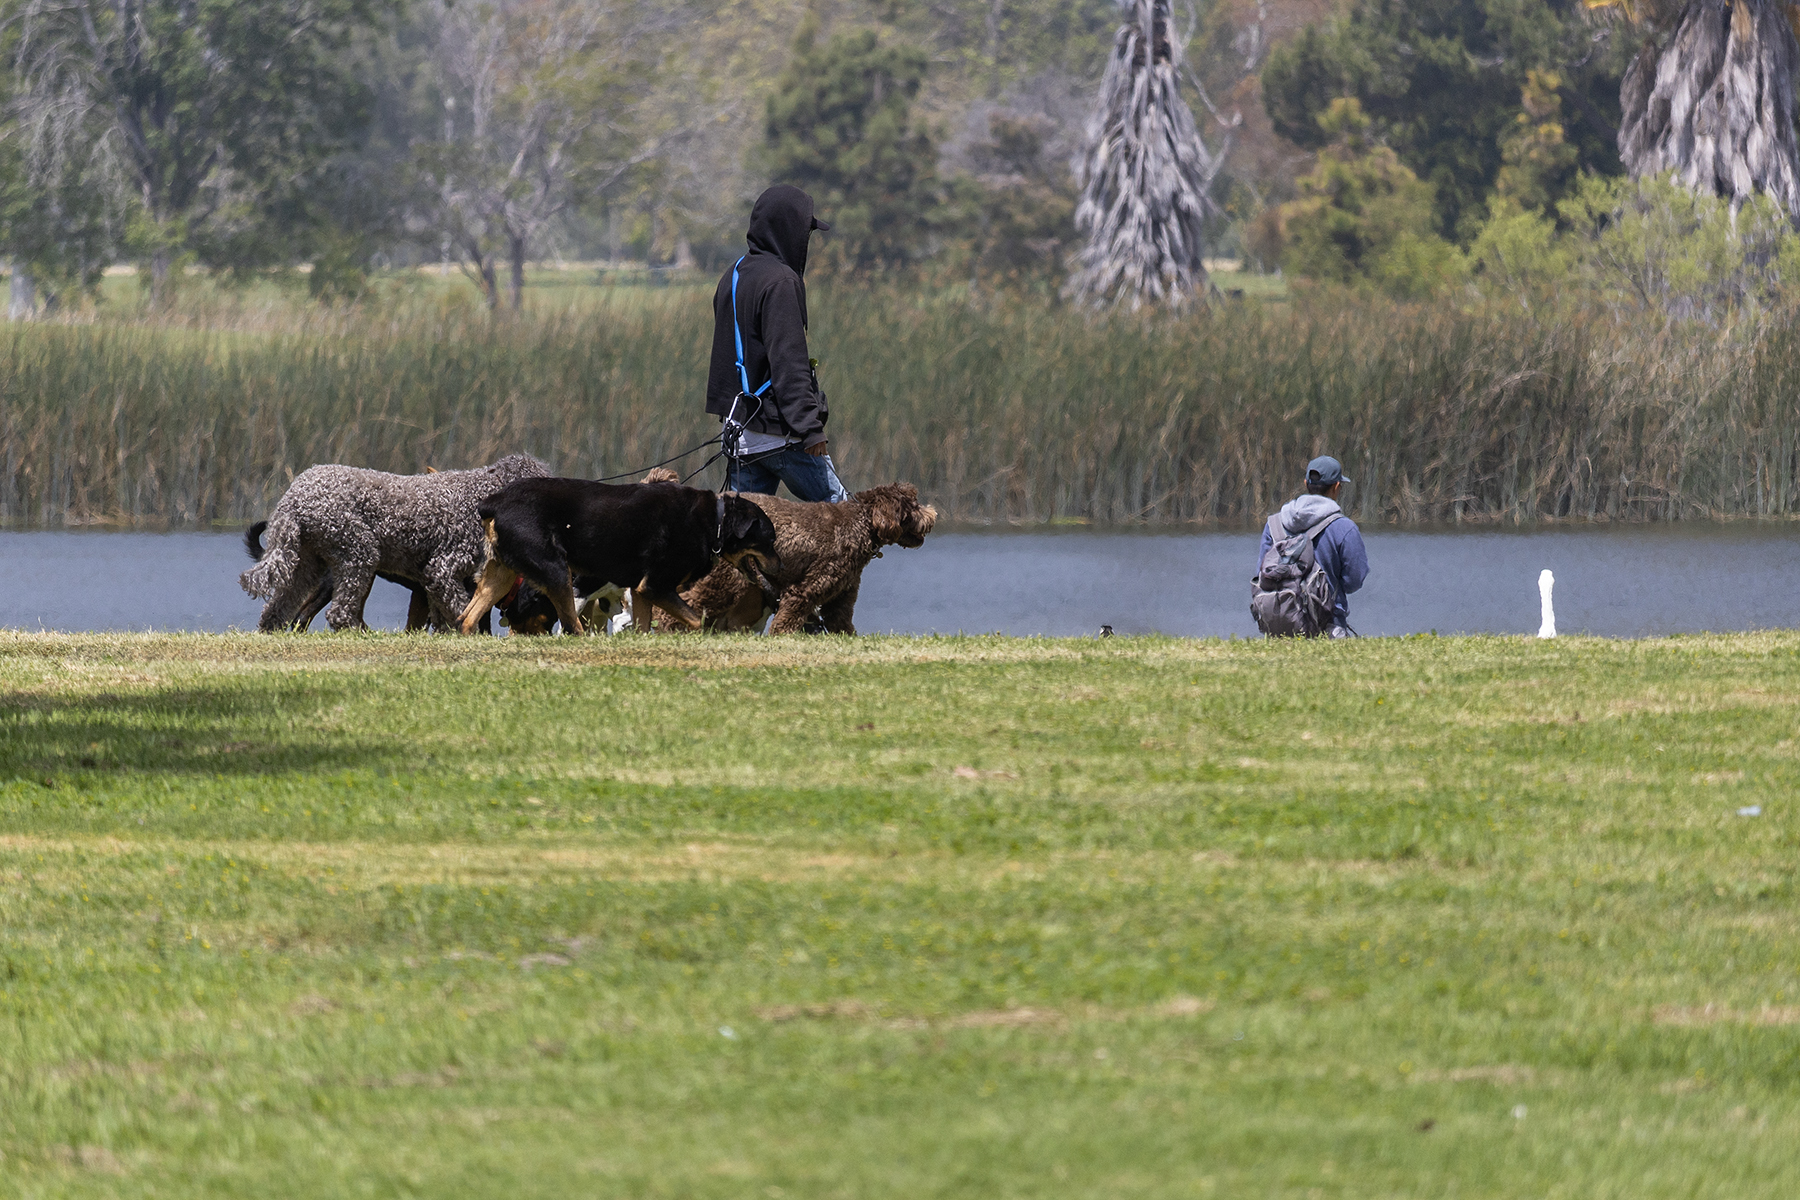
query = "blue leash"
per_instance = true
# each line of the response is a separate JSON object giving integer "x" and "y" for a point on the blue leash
{"x": 732, "y": 429}
{"x": 737, "y": 331}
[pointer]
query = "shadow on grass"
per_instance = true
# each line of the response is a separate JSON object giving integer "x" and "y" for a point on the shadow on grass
{"x": 212, "y": 731}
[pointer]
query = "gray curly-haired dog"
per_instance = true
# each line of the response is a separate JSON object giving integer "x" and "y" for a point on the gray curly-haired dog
{"x": 345, "y": 524}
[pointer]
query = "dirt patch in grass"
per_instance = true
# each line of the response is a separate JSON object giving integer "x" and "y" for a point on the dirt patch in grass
{"x": 443, "y": 1077}
{"x": 846, "y": 1010}
{"x": 547, "y": 959}
{"x": 97, "y": 1159}
{"x": 63, "y": 862}
{"x": 312, "y": 1006}
{"x": 989, "y": 1018}
{"x": 361, "y": 650}
{"x": 1005, "y": 1018}
{"x": 94, "y": 1068}
{"x": 1500, "y": 1074}
{"x": 1693, "y": 1017}
{"x": 977, "y": 773}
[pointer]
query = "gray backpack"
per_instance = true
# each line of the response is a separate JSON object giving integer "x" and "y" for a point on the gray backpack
{"x": 1290, "y": 595}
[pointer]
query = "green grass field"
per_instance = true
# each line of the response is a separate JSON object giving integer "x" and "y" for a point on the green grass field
{"x": 372, "y": 915}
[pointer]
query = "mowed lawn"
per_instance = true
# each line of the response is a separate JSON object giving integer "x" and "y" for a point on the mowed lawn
{"x": 377, "y": 915}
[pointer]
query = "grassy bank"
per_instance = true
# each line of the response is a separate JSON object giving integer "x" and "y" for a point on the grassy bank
{"x": 910, "y": 918}
{"x": 1003, "y": 411}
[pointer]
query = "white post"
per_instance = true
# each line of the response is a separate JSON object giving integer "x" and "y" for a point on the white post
{"x": 1546, "y": 581}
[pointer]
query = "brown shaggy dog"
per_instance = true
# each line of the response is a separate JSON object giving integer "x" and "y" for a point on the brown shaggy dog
{"x": 824, "y": 548}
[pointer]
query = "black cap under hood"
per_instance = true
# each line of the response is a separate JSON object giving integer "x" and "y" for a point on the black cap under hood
{"x": 780, "y": 224}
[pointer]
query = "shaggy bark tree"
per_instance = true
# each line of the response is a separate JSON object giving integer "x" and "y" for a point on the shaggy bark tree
{"x": 1145, "y": 173}
{"x": 1713, "y": 102}
{"x": 539, "y": 97}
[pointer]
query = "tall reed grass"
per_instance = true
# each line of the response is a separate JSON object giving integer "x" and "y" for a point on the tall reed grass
{"x": 1010, "y": 412}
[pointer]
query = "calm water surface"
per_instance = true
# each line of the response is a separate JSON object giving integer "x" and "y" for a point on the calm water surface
{"x": 1622, "y": 583}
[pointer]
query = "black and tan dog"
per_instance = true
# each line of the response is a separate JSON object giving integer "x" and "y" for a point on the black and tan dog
{"x": 529, "y": 613}
{"x": 655, "y": 538}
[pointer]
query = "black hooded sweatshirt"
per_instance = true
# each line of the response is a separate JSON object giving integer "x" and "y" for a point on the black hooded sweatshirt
{"x": 771, "y": 311}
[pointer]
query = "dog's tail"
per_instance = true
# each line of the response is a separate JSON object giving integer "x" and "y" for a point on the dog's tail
{"x": 275, "y": 565}
{"x": 662, "y": 475}
{"x": 490, "y": 537}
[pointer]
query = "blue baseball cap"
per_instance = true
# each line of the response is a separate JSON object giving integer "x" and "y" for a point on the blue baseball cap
{"x": 1325, "y": 471}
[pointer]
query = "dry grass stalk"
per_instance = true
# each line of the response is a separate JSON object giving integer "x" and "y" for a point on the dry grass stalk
{"x": 1014, "y": 412}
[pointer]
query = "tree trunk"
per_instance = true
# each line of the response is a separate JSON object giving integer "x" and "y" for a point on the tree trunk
{"x": 684, "y": 253}
{"x": 1715, "y": 104}
{"x": 515, "y": 247}
{"x": 995, "y": 11}
{"x": 490, "y": 286}
{"x": 159, "y": 277}
{"x": 22, "y": 299}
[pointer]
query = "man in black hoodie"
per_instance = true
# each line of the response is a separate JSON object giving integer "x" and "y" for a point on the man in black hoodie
{"x": 761, "y": 377}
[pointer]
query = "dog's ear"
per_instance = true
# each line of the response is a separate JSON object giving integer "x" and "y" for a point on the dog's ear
{"x": 741, "y": 521}
{"x": 889, "y": 506}
{"x": 896, "y": 516}
{"x": 916, "y": 519}
{"x": 762, "y": 529}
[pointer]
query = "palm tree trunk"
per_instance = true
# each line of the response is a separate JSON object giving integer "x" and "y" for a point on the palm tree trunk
{"x": 1144, "y": 174}
{"x": 1715, "y": 104}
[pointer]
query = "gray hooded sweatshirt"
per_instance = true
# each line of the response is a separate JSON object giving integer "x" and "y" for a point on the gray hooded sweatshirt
{"x": 1339, "y": 548}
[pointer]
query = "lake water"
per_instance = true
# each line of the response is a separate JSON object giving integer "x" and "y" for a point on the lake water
{"x": 1618, "y": 582}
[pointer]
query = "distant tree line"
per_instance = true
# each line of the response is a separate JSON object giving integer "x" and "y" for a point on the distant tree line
{"x": 1487, "y": 142}
{"x": 244, "y": 136}
{"x": 1375, "y": 143}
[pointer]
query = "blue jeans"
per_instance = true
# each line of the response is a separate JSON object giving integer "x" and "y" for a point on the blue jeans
{"x": 808, "y": 476}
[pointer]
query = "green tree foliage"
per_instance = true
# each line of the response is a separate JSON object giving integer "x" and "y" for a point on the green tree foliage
{"x": 220, "y": 115}
{"x": 1442, "y": 82}
{"x": 840, "y": 125}
{"x": 1363, "y": 218}
{"x": 1647, "y": 246}
{"x": 1537, "y": 162}
{"x": 1518, "y": 254}
{"x": 1021, "y": 202}
{"x": 989, "y": 47}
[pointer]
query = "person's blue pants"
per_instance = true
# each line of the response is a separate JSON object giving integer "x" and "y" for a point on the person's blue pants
{"x": 808, "y": 476}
